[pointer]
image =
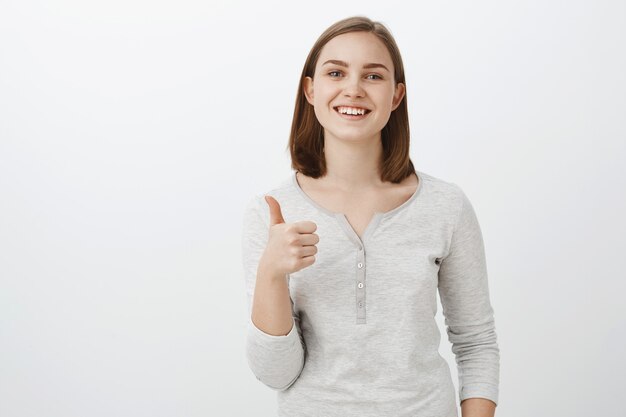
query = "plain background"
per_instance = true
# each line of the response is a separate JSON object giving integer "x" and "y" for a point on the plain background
{"x": 133, "y": 132}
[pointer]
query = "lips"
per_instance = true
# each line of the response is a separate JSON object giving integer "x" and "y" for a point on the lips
{"x": 353, "y": 117}
{"x": 336, "y": 108}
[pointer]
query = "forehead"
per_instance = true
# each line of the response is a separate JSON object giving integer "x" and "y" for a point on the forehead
{"x": 356, "y": 48}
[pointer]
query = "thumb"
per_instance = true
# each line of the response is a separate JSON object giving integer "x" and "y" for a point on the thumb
{"x": 276, "y": 216}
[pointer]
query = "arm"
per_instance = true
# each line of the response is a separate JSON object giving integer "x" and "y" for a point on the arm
{"x": 464, "y": 293}
{"x": 274, "y": 345}
{"x": 271, "y": 307}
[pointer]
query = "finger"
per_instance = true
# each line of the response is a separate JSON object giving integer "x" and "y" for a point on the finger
{"x": 276, "y": 215}
{"x": 308, "y": 251}
{"x": 309, "y": 239}
{"x": 305, "y": 226}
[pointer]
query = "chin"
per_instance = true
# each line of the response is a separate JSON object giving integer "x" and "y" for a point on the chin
{"x": 354, "y": 136}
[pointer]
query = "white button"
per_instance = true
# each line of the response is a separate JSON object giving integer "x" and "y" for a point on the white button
{"x": 360, "y": 304}
{"x": 360, "y": 265}
{"x": 360, "y": 248}
{"x": 360, "y": 285}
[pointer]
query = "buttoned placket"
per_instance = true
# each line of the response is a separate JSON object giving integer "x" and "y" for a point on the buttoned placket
{"x": 360, "y": 286}
{"x": 360, "y": 262}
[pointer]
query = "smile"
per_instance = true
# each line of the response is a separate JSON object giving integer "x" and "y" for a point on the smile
{"x": 352, "y": 113}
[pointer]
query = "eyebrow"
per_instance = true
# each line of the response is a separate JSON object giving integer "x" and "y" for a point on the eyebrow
{"x": 345, "y": 64}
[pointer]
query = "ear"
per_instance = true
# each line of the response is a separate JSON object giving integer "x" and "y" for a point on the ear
{"x": 398, "y": 95}
{"x": 308, "y": 89}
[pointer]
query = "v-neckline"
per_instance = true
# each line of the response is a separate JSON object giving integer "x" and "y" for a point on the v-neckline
{"x": 374, "y": 221}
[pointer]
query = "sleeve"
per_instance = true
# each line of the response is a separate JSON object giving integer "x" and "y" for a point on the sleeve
{"x": 468, "y": 313}
{"x": 276, "y": 361}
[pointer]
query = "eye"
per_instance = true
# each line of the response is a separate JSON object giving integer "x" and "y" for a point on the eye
{"x": 333, "y": 72}
{"x": 375, "y": 75}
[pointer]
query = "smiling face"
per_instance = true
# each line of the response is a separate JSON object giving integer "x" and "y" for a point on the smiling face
{"x": 353, "y": 74}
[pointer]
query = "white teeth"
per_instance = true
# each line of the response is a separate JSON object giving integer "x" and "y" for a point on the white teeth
{"x": 350, "y": 110}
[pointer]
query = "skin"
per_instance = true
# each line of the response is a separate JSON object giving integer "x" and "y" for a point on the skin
{"x": 353, "y": 149}
{"x": 478, "y": 407}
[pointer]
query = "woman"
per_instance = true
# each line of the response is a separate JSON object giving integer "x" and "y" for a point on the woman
{"x": 343, "y": 260}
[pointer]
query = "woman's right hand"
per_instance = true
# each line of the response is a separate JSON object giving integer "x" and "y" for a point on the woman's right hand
{"x": 290, "y": 246}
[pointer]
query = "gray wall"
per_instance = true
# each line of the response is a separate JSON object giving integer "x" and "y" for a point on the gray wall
{"x": 132, "y": 133}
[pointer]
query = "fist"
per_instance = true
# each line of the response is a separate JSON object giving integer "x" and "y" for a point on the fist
{"x": 290, "y": 246}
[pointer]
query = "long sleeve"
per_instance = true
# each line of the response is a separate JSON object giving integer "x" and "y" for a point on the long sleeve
{"x": 467, "y": 309}
{"x": 276, "y": 361}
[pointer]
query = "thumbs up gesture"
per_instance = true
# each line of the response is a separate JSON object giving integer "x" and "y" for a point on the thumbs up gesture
{"x": 290, "y": 246}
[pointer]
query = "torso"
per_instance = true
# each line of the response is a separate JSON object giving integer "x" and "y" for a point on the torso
{"x": 359, "y": 206}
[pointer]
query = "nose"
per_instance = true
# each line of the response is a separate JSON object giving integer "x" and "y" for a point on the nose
{"x": 353, "y": 87}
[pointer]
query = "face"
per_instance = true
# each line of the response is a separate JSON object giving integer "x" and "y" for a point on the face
{"x": 354, "y": 70}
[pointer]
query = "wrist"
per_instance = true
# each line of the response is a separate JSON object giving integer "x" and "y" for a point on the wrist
{"x": 267, "y": 272}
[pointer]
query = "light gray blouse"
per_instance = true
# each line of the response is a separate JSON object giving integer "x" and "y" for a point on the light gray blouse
{"x": 365, "y": 340}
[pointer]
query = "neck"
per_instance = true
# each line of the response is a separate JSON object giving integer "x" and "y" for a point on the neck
{"x": 353, "y": 164}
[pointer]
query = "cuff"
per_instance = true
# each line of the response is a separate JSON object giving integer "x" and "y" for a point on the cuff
{"x": 487, "y": 391}
{"x": 272, "y": 341}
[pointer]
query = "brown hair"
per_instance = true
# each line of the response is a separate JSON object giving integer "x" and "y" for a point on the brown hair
{"x": 306, "y": 141}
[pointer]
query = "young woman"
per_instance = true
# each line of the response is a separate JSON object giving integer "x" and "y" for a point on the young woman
{"x": 343, "y": 260}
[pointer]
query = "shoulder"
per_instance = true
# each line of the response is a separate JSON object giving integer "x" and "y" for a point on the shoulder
{"x": 444, "y": 199}
{"x": 440, "y": 190}
{"x": 448, "y": 200}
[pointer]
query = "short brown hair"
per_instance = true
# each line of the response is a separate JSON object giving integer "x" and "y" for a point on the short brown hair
{"x": 306, "y": 141}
